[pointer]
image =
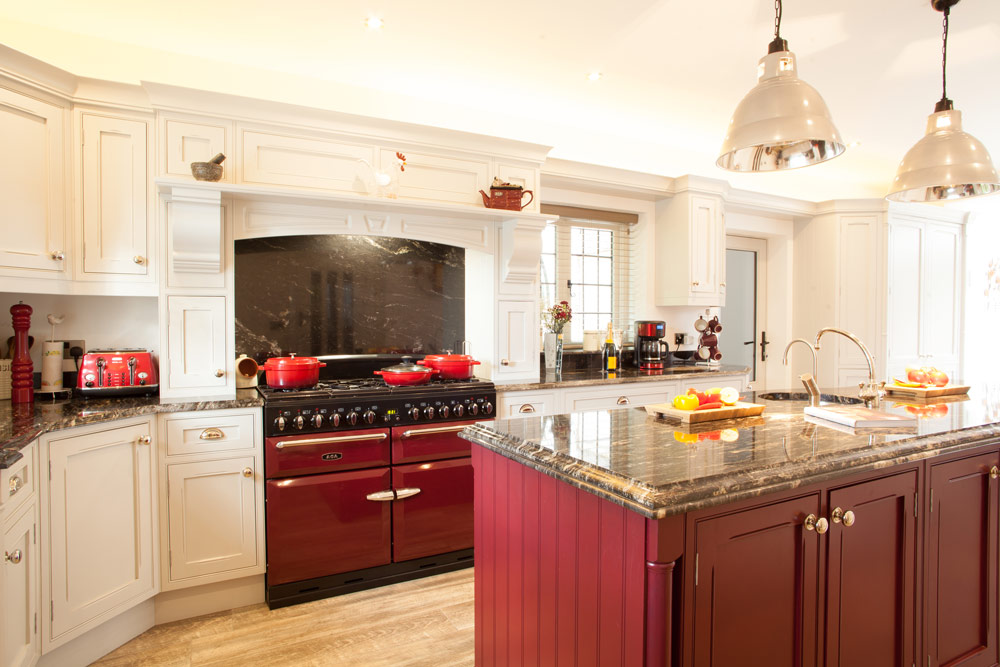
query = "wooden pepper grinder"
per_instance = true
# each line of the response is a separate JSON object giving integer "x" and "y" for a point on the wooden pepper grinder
{"x": 22, "y": 371}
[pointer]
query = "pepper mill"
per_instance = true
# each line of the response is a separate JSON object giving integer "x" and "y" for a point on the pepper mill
{"x": 22, "y": 371}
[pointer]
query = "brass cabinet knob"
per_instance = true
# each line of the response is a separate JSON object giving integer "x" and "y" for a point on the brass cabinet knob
{"x": 143, "y": 440}
{"x": 722, "y": 284}
{"x": 504, "y": 362}
{"x": 248, "y": 472}
{"x": 840, "y": 516}
{"x": 58, "y": 255}
{"x": 994, "y": 472}
{"x": 14, "y": 485}
{"x": 14, "y": 557}
{"x": 695, "y": 283}
{"x": 139, "y": 259}
{"x": 527, "y": 407}
{"x": 219, "y": 373}
{"x": 623, "y": 400}
{"x": 819, "y": 525}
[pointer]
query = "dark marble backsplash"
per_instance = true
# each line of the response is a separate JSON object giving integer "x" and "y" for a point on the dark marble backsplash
{"x": 337, "y": 294}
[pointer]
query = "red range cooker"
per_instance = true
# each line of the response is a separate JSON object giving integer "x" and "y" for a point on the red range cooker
{"x": 367, "y": 484}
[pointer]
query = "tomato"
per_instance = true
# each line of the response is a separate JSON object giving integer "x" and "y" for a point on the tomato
{"x": 916, "y": 375}
{"x": 937, "y": 378}
{"x": 685, "y": 402}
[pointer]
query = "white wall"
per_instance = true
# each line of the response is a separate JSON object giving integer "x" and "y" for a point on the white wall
{"x": 101, "y": 321}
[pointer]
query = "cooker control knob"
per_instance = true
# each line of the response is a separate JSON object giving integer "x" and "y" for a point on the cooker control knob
{"x": 415, "y": 414}
{"x": 280, "y": 423}
{"x": 317, "y": 421}
{"x": 429, "y": 412}
{"x": 444, "y": 412}
{"x": 488, "y": 408}
{"x": 369, "y": 417}
{"x": 335, "y": 419}
{"x": 474, "y": 409}
{"x": 459, "y": 410}
{"x": 298, "y": 422}
{"x": 352, "y": 418}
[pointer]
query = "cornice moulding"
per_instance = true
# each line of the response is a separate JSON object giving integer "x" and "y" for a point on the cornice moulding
{"x": 580, "y": 176}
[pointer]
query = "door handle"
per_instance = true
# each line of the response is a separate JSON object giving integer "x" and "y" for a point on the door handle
{"x": 764, "y": 342}
{"x": 749, "y": 342}
{"x": 430, "y": 431}
{"x": 382, "y": 496}
{"x": 406, "y": 493}
{"x": 282, "y": 444}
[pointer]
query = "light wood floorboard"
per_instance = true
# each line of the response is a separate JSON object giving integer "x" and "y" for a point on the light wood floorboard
{"x": 423, "y": 622}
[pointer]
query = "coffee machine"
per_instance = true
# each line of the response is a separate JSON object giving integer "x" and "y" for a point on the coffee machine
{"x": 651, "y": 352}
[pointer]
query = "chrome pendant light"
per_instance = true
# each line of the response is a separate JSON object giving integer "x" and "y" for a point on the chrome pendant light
{"x": 947, "y": 163}
{"x": 782, "y": 123}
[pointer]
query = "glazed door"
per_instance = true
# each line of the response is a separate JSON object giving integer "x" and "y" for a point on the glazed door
{"x": 327, "y": 524}
{"x": 756, "y": 580}
{"x": 871, "y": 573}
{"x": 961, "y": 563}
{"x": 435, "y": 516}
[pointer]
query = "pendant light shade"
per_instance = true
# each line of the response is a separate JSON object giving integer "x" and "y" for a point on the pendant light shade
{"x": 947, "y": 163}
{"x": 782, "y": 123}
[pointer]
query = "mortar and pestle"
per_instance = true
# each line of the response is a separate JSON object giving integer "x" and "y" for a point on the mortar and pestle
{"x": 208, "y": 171}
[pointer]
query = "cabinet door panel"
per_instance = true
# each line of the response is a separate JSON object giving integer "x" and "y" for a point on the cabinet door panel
{"x": 941, "y": 289}
{"x": 704, "y": 245}
{"x": 100, "y": 513}
{"x": 756, "y": 587}
{"x": 212, "y": 517}
{"x": 961, "y": 561}
{"x": 903, "y": 316}
{"x": 517, "y": 329}
{"x": 871, "y": 574}
{"x": 32, "y": 214}
{"x": 438, "y": 519}
{"x": 196, "y": 340}
{"x": 19, "y": 580}
{"x": 114, "y": 196}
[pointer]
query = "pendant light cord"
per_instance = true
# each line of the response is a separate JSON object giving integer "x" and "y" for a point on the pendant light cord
{"x": 777, "y": 44}
{"x": 944, "y": 104}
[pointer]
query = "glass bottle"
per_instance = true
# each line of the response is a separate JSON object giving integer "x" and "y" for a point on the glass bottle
{"x": 610, "y": 356}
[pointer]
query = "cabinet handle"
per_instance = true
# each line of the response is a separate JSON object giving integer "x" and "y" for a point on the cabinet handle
{"x": 58, "y": 255}
{"x": 382, "y": 496}
{"x": 406, "y": 493}
{"x": 281, "y": 444}
{"x": 722, "y": 284}
{"x": 527, "y": 407}
{"x": 15, "y": 484}
{"x": 143, "y": 440}
{"x": 504, "y": 362}
{"x": 819, "y": 525}
{"x": 139, "y": 259}
{"x": 212, "y": 434}
{"x": 994, "y": 472}
{"x": 623, "y": 400}
{"x": 248, "y": 472}
{"x": 219, "y": 373}
{"x": 695, "y": 283}
{"x": 431, "y": 431}
{"x": 840, "y": 515}
{"x": 14, "y": 558}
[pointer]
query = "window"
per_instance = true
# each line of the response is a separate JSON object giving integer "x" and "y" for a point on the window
{"x": 587, "y": 263}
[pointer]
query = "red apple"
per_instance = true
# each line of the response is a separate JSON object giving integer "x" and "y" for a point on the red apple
{"x": 916, "y": 375}
{"x": 937, "y": 378}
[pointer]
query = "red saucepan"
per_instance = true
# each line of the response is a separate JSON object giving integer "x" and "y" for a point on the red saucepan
{"x": 292, "y": 372}
{"x": 406, "y": 374}
{"x": 450, "y": 366}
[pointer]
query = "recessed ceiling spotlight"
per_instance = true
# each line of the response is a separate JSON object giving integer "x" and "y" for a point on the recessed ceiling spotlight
{"x": 854, "y": 144}
{"x": 594, "y": 76}
{"x": 374, "y": 23}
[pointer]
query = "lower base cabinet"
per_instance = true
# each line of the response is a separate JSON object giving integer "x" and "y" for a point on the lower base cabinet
{"x": 19, "y": 645}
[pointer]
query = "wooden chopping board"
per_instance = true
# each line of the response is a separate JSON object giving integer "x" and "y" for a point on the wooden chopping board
{"x": 926, "y": 392}
{"x": 734, "y": 411}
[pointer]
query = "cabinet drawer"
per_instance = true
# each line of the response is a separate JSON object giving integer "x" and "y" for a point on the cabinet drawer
{"x": 17, "y": 483}
{"x": 194, "y": 435}
{"x": 523, "y": 404}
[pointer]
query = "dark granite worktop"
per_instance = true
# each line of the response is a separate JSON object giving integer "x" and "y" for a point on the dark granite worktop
{"x": 588, "y": 377}
{"x": 658, "y": 467}
{"x": 22, "y": 423}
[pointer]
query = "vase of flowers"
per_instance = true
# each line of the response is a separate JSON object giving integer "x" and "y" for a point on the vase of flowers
{"x": 555, "y": 319}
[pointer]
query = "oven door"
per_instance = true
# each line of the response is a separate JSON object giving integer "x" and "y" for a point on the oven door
{"x": 429, "y": 443}
{"x": 433, "y": 510}
{"x": 326, "y": 524}
{"x": 310, "y": 453}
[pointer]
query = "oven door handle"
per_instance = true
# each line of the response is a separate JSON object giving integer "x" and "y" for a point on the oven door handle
{"x": 382, "y": 496}
{"x": 406, "y": 493}
{"x": 428, "y": 431}
{"x": 282, "y": 444}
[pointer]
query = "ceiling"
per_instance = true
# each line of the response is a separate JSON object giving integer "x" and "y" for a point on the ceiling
{"x": 672, "y": 71}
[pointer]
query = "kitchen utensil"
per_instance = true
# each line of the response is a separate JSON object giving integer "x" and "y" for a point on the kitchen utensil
{"x": 117, "y": 372}
{"x": 734, "y": 411}
{"x": 22, "y": 370}
{"x": 927, "y": 392}
{"x": 246, "y": 372}
{"x": 507, "y": 197}
{"x": 291, "y": 371}
{"x": 592, "y": 340}
{"x": 10, "y": 345}
{"x": 208, "y": 171}
{"x": 52, "y": 375}
{"x": 406, "y": 374}
{"x": 450, "y": 366}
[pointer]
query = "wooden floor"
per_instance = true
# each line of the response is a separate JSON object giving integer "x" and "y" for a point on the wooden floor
{"x": 423, "y": 622}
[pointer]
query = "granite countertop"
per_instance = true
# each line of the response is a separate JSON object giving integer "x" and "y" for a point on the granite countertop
{"x": 583, "y": 378}
{"x": 22, "y": 423}
{"x": 643, "y": 462}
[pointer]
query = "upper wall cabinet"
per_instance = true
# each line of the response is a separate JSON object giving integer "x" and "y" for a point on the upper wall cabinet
{"x": 32, "y": 187}
{"x": 690, "y": 251}
{"x": 440, "y": 178}
{"x": 184, "y": 141}
{"x": 279, "y": 158}
{"x": 115, "y": 200}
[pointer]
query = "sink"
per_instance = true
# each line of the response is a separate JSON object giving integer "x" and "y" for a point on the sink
{"x": 803, "y": 396}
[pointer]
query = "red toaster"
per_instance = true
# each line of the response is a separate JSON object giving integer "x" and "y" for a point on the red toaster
{"x": 117, "y": 372}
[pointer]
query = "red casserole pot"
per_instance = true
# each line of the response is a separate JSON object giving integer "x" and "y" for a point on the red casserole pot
{"x": 406, "y": 374}
{"x": 292, "y": 372}
{"x": 450, "y": 366}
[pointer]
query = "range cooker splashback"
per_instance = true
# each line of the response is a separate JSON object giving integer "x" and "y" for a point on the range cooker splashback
{"x": 339, "y": 294}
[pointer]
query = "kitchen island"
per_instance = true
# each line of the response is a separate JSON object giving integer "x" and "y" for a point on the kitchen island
{"x": 614, "y": 537}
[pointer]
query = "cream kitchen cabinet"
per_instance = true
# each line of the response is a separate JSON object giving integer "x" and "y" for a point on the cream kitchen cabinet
{"x": 116, "y": 220}
{"x": 193, "y": 139}
{"x": 19, "y": 570}
{"x": 98, "y": 526}
{"x": 197, "y": 344}
{"x": 690, "y": 250}
{"x": 33, "y": 220}
{"x": 212, "y": 497}
{"x": 626, "y": 395}
{"x": 517, "y": 333}
{"x": 521, "y": 403}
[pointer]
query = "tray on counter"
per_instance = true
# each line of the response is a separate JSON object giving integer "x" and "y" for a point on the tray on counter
{"x": 926, "y": 392}
{"x": 735, "y": 411}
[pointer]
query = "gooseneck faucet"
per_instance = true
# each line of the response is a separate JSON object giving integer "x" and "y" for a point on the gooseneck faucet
{"x": 808, "y": 381}
{"x": 812, "y": 351}
{"x": 871, "y": 392}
